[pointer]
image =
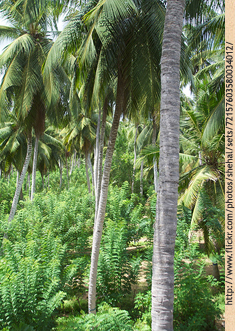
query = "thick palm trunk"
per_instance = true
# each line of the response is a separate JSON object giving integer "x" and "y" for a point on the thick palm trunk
{"x": 166, "y": 220}
{"x": 35, "y": 157}
{"x": 135, "y": 156}
{"x": 21, "y": 180}
{"x": 98, "y": 226}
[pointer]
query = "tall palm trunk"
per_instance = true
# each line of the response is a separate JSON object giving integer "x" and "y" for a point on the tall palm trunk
{"x": 87, "y": 172}
{"x": 96, "y": 153}
{"x": 35, "y": 157}
{"x": 92, "y": 172}
{"x": 155, "y": 172}
{"x": 98, "y": 226}
{"x": 141, "y": 178}
{"x": 21, "y": 179}
{"x": 61, "y": 171}
{"x": 67, "y": 170}
{"x": 29, "y": 184}
{"x": 166, "y": 220}
{"x": 135, "y": 156}
{"x": 100, "y": 156}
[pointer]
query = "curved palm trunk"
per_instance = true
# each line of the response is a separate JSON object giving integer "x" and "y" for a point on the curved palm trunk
{"x": 35, "y": 157}
{"x": 98, "y": 226}
{"x": 166, "y": 220}
{"x": 21, "y": 180}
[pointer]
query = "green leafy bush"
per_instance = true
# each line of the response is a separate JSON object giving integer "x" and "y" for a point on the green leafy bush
{"x": 194, "y": 308}
{"x": 107, "y": 319}
{"x": 30, "y": 282}
{"x": 116, "y": 272}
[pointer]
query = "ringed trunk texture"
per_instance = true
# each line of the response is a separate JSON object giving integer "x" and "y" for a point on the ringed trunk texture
{"x": 98, "y": 225}
{"x": 21, "y": 180}
{"x": 35, "y": 157}
{"x": 166, "y": 219}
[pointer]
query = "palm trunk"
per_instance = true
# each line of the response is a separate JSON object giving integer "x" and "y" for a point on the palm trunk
{"x": 141, "y": 178}
{"x": 155, "y": 172}
{"x": 100, "y": 156}
{"x": 17, "y": 181}
{"x": 21, "y": 180}
{"x": 29, "y": 184}
{"x": 98, "y": 226}
{"x": 35, "y": 156}
{"x": 42, "y": 181}
{"x": 61, "y": 171}
{"x": 48, "y": 181}
{"x": 72, "y": 163}
{"x": 96, "y": 154}
{"x": 87, "y": 173}
{"x": 166, "y": 219}
{"x": 91, "y": 170}
{"x": 67, "y": 170}
{"x": 133, "y": 175}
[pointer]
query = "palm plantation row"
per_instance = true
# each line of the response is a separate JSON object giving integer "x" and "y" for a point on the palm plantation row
{"x": 113, "y": 62}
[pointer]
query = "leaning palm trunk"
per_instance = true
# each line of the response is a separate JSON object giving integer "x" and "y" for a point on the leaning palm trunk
{"x": 100, "y": 156}
{"x": 21, "y": 180}
{"x": 35, "y": 157}
{"x": 98, "y": 226}
{"x": 166, "y": 220}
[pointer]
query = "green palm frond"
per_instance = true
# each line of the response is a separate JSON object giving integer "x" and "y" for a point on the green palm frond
{"x": 191, "y": 194}
{"x": 8, "y": 32}
{"x": 23, "y": 44}
{"x": 214, "y": 122}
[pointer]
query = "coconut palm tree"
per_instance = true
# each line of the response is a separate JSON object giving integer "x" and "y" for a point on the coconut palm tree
{"x": 118, "y": 54}
{"x": 22, "y": 62}
{"x": 165, "y": 226}
{"x": 166, "y": 216}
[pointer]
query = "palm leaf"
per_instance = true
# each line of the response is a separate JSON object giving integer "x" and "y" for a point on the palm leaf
{"x": 214, "y": 122}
